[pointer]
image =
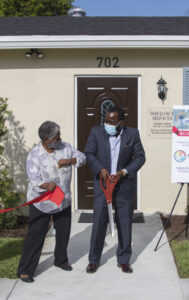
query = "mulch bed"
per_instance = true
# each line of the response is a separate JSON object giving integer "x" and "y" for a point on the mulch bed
{"x": 176, "y": 229}
{"x": 20, "y": 231}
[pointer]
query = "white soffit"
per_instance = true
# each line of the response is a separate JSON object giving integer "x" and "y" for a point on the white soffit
{"x": 110, "y": 41}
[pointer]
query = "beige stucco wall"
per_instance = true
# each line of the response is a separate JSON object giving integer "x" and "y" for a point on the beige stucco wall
{"x": 39, "y": 90}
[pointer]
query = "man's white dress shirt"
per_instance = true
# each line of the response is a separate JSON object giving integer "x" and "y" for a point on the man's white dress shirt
{"x": 115, "y": 142}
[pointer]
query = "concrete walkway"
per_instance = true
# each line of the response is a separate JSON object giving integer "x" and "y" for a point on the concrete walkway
{"x": 155, "y": 275}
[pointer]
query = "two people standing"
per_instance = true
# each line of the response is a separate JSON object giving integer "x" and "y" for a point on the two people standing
{"x": 112, "y": 149}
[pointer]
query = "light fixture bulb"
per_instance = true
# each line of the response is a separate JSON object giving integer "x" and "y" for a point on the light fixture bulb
{"x": 28, "y": 54}
{"x": 40, "y": 55}
{"x": 34, "y": 51}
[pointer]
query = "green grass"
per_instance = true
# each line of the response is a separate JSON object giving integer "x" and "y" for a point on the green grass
{"x": 181, "y": 254}
{"x": 10, "y": 252}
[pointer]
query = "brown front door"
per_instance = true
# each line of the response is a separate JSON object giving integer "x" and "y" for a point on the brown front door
{"x": 95, "y": 95}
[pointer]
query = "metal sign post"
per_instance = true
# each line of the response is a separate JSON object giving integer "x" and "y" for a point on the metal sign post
{"x": 167, "y": 222}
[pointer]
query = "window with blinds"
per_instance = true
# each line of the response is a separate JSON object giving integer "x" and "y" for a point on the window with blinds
{"x": 186, "y": 86}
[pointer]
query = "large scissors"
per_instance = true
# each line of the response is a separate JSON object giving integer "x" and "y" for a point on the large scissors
{"x": 108, "y": 191}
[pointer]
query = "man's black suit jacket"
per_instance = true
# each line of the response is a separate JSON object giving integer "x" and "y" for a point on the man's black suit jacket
{"x": 131, "y": 157}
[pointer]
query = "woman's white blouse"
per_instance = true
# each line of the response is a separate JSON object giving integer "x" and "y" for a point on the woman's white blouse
{"x": 43, "y": 167}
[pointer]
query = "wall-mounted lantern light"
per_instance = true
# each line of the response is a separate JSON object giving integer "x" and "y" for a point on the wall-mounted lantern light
{"x": 34, "y": 51}
{"x": 162, "y": 88}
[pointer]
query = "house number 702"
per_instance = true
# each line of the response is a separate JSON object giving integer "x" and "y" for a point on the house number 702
{"x": 108, "y": 62}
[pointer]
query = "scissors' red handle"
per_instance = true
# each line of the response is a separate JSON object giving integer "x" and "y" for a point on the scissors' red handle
{"x": 103, "y": 189}
{"x": 108, "y": 191}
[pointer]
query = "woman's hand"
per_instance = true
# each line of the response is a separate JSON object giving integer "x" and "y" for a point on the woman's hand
{"x": 50, "y": 186}
{"x": 67, "y": 162}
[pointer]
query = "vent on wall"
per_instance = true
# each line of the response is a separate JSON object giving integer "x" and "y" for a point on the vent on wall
{"x": 76, "y": 11}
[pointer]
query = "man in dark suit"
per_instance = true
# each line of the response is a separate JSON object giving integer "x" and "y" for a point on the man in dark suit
{"x": 114, "y": 149}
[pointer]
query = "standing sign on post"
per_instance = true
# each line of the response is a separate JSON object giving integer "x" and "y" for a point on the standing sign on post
{"x": 180, "y": 144}
{"x": 180, "y": 156}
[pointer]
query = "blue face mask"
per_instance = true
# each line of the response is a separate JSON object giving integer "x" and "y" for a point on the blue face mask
{"x": 111, "y": 129}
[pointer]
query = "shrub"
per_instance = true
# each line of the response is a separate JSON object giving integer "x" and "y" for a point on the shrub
{"x": 8, "y": 198}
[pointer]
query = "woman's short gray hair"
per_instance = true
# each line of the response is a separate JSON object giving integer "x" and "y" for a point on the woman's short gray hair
{"x": 48, "y": 130}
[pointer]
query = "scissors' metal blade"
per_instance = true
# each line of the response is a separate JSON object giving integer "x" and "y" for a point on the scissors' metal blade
{"x": 111, "y": 219}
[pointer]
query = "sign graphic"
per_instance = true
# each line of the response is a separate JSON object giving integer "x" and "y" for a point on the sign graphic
{"x": 180, "y": 144}
{"x": 180, "y": 156}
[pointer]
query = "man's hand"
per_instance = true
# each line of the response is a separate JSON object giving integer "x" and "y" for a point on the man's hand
{"x": 104, "y": 174}
{"x": 67, "y": 162}
{"x": 50, "y": 186}
{"x": 118, "y": 175}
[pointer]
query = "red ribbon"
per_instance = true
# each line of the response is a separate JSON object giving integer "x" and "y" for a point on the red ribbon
{"x": 108, "y": 191}
{"x": 56, "y": 196}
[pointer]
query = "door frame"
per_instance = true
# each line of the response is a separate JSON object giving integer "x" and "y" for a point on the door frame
{"x": 75, "y": 132}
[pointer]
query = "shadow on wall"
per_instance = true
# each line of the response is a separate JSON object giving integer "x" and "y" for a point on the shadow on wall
{"x": 15, "y": 154}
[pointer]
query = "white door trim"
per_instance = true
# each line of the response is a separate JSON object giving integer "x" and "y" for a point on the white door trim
{"x": 75, "y": 130}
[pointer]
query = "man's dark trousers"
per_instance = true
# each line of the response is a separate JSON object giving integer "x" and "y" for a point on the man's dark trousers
{"x": 123, "y": 218}
{"x": 33, "y": 243}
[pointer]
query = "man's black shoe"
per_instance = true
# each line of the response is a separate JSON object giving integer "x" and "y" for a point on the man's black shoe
{"x": 65, "y": 267}
{"x": 28, "y": 279}
{"x": 126, "y": 268}
{"x": 92, "y": 268}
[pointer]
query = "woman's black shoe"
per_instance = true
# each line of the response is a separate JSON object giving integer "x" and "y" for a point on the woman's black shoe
{"x": 28, "y": 279}
{"x": 65, "y": 267}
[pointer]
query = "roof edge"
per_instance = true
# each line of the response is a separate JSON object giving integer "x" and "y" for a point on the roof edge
{"x": 123, "y": 41}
